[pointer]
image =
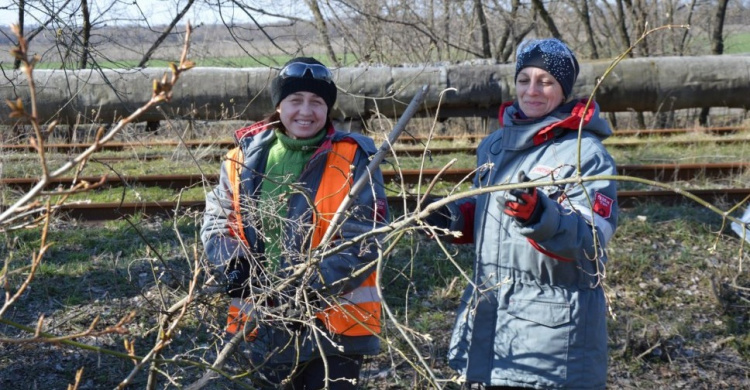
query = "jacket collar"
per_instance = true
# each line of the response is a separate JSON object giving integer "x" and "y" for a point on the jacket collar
{"x": 522, "y": 133}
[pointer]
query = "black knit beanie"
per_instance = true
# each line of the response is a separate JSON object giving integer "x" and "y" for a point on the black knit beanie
{"x": 283, "y": 87}
{"x": 551, "y": 55}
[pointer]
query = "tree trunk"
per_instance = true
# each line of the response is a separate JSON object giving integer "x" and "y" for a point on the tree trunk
{"x": 647, "y": 84}
{"x": 163, "y": 36}
{"x": 681, "y": 49}
{"x": 546, "y": 18}
{"x": 21, "y": 8}
{"x": 483, "y": 29}
{"x": 640, "y": 21}
{"x": 717, "y": 40}
{"x": 583, "y": 12}
{"x": 622, "y": 27}
{"x": 717, "y": 46}
{"x": 503, "y": 50}
{"x": 85, "y": 35}
{"x": 320, "y": 24}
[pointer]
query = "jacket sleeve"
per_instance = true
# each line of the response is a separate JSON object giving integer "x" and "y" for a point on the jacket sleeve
{"x": 462, "y": 219}
{"x": 219, "y": 242}
{"x": 368, "y": 211}
{"x": 566, "y": 228}
{"x": 463, "y": 211}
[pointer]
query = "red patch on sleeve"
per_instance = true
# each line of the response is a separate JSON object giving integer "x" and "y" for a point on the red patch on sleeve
{"x": 381, "y": 206}
{"x": 467, "y": 210}
{"x": 603, "y": 205}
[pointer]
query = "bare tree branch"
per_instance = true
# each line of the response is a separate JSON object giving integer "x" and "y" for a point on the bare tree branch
{"x": 320, "y": 25}
{"x": 86, "y": 34}
{"x": 547, "y": 19}
{"x": 483, "y": 28}
{"x": 165, "y": 34}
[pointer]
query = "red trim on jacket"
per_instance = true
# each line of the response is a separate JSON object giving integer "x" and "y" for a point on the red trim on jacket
{"x": 251, "y": 130}
{"x": 571, "y": 122}
{"x": 501, "y": 111}
{"x": 546, "y": 252}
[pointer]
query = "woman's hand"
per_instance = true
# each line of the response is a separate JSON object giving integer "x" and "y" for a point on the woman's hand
{"x": 523, "y": 203}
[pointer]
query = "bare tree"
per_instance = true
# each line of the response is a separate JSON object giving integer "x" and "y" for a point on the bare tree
{"x": 21, "y": 14}
{"x": 681, "y": 45}
{"x": 483, "y": 29}
{"x": 546, "y": 18}
{"x": 513, "y": 30}
{"x": 582, "y": 8}
{"x": 639, "y": 23}
{"x": 146, "y": 57}
{"x": 639, "y": 13}
{"x": 717, "y": 46}
{"x": 622, "y": 28}
{"x": 320, "y": 24}
{"x": 85, "y": 34}
{"x": 717, "y": 33}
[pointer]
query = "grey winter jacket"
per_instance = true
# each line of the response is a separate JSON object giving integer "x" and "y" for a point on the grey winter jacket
{"x": 535, "y": 314}
{"x": 274, "y": 342}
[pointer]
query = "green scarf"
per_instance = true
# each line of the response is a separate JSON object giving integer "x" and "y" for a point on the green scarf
{"x": 286, "y": 160}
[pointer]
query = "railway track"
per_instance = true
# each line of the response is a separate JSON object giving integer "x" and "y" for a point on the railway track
{"x": 403, "y": 151}
{"x": 618, "y": 133}
{"x": 112, "y": 211}
{"x": 609, "y": 143}
{"x": 670, "y": 132}
{"x": 226, "y": 144}
{"x": 658, "y": 172}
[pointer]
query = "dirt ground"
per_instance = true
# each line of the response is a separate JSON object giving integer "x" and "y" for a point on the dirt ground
{"x": 671, "y": 330}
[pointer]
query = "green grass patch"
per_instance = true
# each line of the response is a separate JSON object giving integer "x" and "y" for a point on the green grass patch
{"x": 737, "y": 43}
{"x": 86, "y": 263}
{"x": 659, "y": 152}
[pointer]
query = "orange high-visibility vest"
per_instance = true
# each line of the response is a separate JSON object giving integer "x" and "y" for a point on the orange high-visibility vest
{"x": 356, "y": 313}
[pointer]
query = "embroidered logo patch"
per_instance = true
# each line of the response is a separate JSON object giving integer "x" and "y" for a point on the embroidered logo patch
{"x": 603, "y": 205}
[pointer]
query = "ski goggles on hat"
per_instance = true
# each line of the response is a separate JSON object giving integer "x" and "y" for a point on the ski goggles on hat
{"x": 298, "y": 69}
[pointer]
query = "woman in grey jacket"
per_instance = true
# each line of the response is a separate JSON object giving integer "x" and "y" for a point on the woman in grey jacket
{"x": 534, "y": 314}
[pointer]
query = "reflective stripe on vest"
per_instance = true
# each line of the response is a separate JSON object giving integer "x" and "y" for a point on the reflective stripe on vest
{"x": 235, "y": 160}
{"x": 356, "y": 313}
{"x": 240, "y": 312}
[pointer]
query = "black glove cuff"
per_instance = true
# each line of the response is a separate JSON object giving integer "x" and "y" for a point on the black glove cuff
{"x": 238, "y": 273}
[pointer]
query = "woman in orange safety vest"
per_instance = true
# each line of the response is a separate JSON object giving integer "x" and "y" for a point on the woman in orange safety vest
{"x": 278, "y": 191}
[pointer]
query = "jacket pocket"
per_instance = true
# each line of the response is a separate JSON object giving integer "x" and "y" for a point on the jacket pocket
{"x": 535, "y": 341}
{"x": 550, "y": 314}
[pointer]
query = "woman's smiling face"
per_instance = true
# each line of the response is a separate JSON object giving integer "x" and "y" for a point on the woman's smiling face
{"x": 538, "y": 92}
{"x": 303, "y": 114}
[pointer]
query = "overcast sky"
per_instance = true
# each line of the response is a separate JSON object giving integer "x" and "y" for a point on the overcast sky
{"x": 124, "y": 11}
